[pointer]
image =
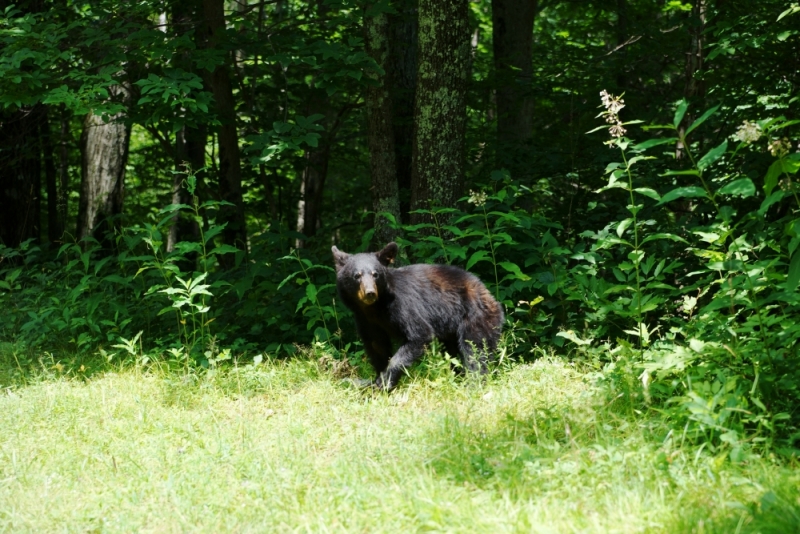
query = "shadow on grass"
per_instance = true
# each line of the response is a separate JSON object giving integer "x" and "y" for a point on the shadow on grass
{"x": 20, "y": 366}
{"x": 568, "y": 455}
{"x": 777, "y": 511}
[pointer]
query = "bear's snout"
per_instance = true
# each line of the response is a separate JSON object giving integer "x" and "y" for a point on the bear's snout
{"x": 368, "y": 292}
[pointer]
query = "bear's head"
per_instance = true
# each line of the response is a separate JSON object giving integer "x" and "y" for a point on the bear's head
{"x": 363, "y": 277}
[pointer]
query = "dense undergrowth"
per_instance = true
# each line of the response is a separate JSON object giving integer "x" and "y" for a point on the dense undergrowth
{"x": 682, "y": 298}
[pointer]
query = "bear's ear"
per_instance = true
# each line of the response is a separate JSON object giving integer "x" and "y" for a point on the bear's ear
{"x": 388, "y": 254}
{"x": 339, "y": 258}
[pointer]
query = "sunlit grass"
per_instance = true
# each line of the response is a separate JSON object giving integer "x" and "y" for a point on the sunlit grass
{"x": 291, "y": 447}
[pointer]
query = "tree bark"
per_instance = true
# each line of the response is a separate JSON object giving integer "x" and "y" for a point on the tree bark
{"x": 63, "y": 168}
{"x": 190, "y": 141}
{"x": 104, "y": 154}
{"x": 20, "y": 175}
{"x": 312, "y": 185}
{"x": 383, "y": 162}
{"x": 315, "y": 172}
{"x": 230, "y": 172}
{"x": 440, "y": 107}
{"x": 402, "y": 77}
{"x": 693, "y": 88}
{"x": 55, "y": 227}
{"x": 512, "y": 39}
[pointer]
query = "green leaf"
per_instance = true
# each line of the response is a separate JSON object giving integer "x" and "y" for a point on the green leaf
{"x": 658, "y": 127}
{"x": 683, "y": 192}
{"x": 794, "y": 272}
{"x": 687, "y": 172}
{"x": 712, "y": 155}
{"x": 623, "y": 225}
{"x": 702, "y": 119}
{"x": 646, "y": 191}
{"x": 777, "y": 196}
{"x": 475, "y": 258}
{"x": 743, "y": 187}
{"x": 569, "y": 334}
{"x": 513, "y": 268}
{"x": 786, "y": 165}
{"x": 650, "y": 143}
{"x": 311, "y": 292}
{"x": 656, "y": 237}
{"x": 680, "y": 111}
{"x": 224, "y": 249}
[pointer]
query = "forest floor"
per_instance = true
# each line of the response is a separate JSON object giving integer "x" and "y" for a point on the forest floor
{"x": 292, "y": 447}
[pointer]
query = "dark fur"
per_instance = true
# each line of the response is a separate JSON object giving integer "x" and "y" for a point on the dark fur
{"x": 414, "y": 305}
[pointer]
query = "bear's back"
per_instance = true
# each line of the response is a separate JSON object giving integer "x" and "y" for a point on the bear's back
{"x": 443, "y": 295}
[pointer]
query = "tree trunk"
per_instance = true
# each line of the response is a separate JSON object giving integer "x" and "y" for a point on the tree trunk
{"x": 622, "y": 36}
{"x": 383, "y": 164}
{"x": 55, "y": 227}
{"x": 312, "y": 187}
{"x": 104, "y": 151}
{"x": 440, "y": 108}
{"x": 402, "y": 74}
{"x": 309, "y": 206}
{"x": 230, "y": 173}
{"x": 189, "y": 151}
{"x": 190, "y": 142}
{"x": 20, "y": 175}
{"x": 512, "y": 38}
{"x": 63, "y": 168}
{"x": 693, "y": 88}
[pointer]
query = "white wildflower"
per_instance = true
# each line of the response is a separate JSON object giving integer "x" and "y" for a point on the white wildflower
{"x": 613, "y": 105}
{"x": 779, "y": 147}
{"x": 617, "y": 130}
{"x": 748, "y": 132}
{"x": 477, "y": 197}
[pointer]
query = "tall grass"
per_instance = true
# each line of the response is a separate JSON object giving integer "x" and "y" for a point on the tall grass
{"x": 290, "y": 446}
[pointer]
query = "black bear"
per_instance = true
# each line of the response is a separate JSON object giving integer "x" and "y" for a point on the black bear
{"x": 413, "y": 305}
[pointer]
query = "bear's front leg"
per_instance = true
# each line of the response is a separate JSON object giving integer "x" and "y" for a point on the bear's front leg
{"x": 378, "y": 347}
{"x": 406, "y": 355}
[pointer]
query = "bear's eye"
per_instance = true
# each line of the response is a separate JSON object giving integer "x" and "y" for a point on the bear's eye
{"x": 358, "y": 275}
{"x": 375, "y": 273}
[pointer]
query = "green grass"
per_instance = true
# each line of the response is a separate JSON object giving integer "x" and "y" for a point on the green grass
{"x": 288, "y": 447}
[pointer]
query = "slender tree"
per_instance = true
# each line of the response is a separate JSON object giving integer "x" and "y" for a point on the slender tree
{"x": 20, "y": 175}
{"x": 693, "y": 87}
{"x": 190, "y": 140}
{"x": 383, "y": 161}
{"x": 402, "y": 79}
{"x": 230, "y": 171}
{"x": 440, "y": 107}
{"x": 55, "y": 223}
{"x": 512, "y": 36}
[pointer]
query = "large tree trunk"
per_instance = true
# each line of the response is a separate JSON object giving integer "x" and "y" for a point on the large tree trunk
{"x": 230, "y": 172}
{"x": 512, "y": 26}
{"x": 440, "y": 108}
{"x": 383, "y": 163}
{"x": 402, "y": 74}
{"x": 104, "y": 151}
{"x": 20, "y": 175}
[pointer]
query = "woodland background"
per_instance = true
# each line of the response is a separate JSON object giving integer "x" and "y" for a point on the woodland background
{"x": 173, "y": 175}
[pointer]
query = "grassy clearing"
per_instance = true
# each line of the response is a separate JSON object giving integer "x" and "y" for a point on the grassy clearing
{"x": 290, "y": 447}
